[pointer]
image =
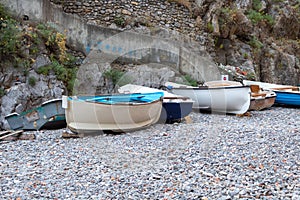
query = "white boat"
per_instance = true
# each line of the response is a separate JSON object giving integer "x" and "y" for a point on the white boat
{"x": 175, "y": 107}
{"x": 118, "y": 113}
{"x": 216, "y": 96}
{"x": 288, "y": 95}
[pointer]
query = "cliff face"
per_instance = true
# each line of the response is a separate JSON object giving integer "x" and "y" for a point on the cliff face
{"x": 257, "y": 38}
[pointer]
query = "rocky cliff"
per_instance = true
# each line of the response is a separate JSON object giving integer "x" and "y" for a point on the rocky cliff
{"x": 257, "y": 38}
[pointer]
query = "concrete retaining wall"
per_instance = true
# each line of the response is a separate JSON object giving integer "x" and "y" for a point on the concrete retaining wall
{"x": 127, "y": 46}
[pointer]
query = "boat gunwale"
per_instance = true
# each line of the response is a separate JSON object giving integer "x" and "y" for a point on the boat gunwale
{"x": 287, "y": 92}
{"x": 269, "y": 97}
{"x": 210, "y": 88}
{"x": 119, "y": 104}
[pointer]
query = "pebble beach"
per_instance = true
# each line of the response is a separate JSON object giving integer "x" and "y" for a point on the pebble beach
{"x": 211, "y": 156}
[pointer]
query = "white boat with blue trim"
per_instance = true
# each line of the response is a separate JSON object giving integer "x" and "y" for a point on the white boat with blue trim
{"x": 117, "y": 112}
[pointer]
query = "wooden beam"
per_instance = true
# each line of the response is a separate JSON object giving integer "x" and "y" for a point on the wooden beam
{"x": 9, "y": 133}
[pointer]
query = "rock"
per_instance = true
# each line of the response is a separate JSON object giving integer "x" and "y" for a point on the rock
{"x": 41, "y": 61}
{"x": 89, "y": 78}
{"x": 126, "y": 12}
{"x": 27, "y": 136}
{"x": 134, "y": 3}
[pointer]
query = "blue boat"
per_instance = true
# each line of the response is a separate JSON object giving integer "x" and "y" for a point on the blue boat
{"x": 289, "y": 98}
{"x": 175, "y": 109}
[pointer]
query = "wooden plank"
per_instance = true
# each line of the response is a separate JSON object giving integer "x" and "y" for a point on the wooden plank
{"x": 67, "y": 134}
{"x": 258, "y": 94}
{"x": 11, "y": 134}
{"x": 4, "y": 133}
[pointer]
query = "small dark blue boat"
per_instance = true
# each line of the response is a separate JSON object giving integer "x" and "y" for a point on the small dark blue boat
{"x": 174, "y": 109}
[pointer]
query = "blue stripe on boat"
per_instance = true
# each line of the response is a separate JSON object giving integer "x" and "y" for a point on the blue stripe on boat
{"x": 122, "y": 98}
{"x": 287, "y": 98}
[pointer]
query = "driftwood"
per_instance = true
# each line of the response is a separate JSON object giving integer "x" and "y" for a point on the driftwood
{"x": 67, "y": 135}
{"x": 10, "y": 135}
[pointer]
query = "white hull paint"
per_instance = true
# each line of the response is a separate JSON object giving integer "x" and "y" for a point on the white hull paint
{"x": 233, "y": 99}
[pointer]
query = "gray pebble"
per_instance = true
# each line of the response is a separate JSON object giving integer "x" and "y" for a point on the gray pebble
{"x": 215, "y": 157}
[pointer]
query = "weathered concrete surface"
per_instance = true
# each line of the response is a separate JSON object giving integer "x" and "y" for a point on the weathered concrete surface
{"x": 127, "y": 46}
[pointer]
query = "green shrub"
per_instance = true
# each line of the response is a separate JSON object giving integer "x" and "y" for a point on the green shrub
{"x": 114, "y": 75}
{"x": 32, "y": 81}
{"x": 256, "y": 17}
{"x": 64, "y": 74}
{"x": 20, "y": 47}
{"x": 190, "y": 81}
{"x": 119, "y": 21}
{"x": 254, "y": 42}
{"x": 210, "y": 27}
{"x": 44, "y": 30}
{"x": 2, "y": 92}
{"x": 257, "y": 5}
{"x": 44, "y": 70}
{"x": 4, "y": 14}
{"x": 10, "y": 38}
{"x": 59, "y": 70}
{"x": 69, "y": 61}
{"x": 117, "y": 77}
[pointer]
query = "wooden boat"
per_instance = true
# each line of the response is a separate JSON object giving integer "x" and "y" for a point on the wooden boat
{"x": 119, "y": 112}
{"x": 285, "y": 94}
{"x": 261, "y": 99}
{"x": 216, "y": 96}
{"x": 175, "y": 107}
{"x": 50, "y": 115}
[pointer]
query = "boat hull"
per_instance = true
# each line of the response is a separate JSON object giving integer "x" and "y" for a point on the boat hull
{"x": 84, "y": 116}
{"x": 175, "y": 111}
{"x": 232, "y": 99}
{"x": 288, "y": 98}
{"x": 175, "y": 107}
{"x": 262, "y": 103}
{"x": 50, "y": 115}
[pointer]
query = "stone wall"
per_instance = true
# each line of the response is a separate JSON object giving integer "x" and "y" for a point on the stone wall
{"x": 155, "y": 47}
{"x": 126, "y": 14}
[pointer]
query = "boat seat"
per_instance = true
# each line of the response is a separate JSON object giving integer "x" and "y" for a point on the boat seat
{"x": 255, "y": 88}
{"x": 263, "y": 94}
